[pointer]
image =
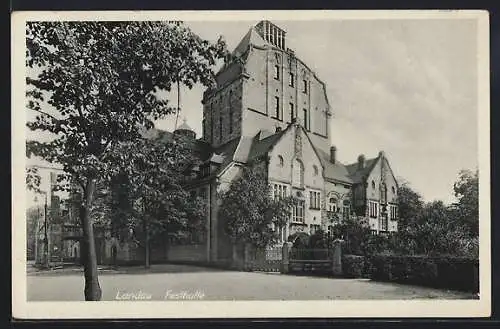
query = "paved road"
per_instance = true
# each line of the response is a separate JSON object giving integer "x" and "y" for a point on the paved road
{"x": 174, "y": 282}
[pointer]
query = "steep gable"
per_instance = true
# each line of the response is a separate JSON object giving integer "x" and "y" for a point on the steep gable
{"x": 359, "y": 175}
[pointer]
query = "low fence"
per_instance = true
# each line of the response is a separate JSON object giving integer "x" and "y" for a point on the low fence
{"x": 311, "y": 261}
{"x": 265, "y": 260}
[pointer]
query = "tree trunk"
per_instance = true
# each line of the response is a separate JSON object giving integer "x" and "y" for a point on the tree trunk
{"x": 92, "y": 289}
{"x": 146, "y": 243}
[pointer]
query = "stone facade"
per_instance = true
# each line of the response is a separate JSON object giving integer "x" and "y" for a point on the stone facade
{"x": 268, "y": 108}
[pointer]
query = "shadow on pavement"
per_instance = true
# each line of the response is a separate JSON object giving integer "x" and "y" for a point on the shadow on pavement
{"x": 131, "y": 269}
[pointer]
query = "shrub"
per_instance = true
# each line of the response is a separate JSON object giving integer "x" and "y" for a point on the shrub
{"x": 450, "y": 272}
{"x": 353, "y": 266}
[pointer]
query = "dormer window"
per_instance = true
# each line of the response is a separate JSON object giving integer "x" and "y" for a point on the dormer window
{"x": 373, "y": 185}
{"x": 315, "y": 170}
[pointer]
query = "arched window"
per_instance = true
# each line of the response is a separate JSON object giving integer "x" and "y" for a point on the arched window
{"x": 298, "y": 173}
{"x": 281, "y": 162}
{"x": 332, "y": 205}
{"x": 373, "y": 185}
{"x": 393, "y": 190}
{"x": 315, "y": 170}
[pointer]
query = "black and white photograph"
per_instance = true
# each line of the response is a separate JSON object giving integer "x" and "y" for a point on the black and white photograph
{"x": 251, "y": 164}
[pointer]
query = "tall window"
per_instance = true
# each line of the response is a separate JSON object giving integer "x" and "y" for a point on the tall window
{"x": 393, "y": 211}
{"x": 279, "y": 191}
{"x": 291, "y": 80}
{"x": 373, "y": 209}
{"x": 314, "y": 200}
{"x": 306, "y": 121}
{"x": 277, "y": 109}
{"x": 298, "y": 212}
{"x": 277, "y": 72}
{"x": 230, "y": 112}
{"x": 291, "y": 112}
{"x": 346, "y": 209}
{"x": 204, "y": 128}
{"x": 304, "y": 86}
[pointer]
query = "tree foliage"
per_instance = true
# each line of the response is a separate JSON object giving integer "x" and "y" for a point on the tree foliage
{"x": 94, "y": 86}
{"x": 250, "y": 213}
{"x": 434, "y": 228}
{"x": 466, "y": 190}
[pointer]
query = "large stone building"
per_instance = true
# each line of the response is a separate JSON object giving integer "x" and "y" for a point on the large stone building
{"x": 269, "y": 107}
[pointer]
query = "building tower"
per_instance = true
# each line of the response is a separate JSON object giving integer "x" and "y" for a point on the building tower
{"x": 262, "y": 86}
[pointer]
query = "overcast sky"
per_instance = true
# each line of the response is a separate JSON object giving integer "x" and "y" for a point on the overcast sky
{"x": 408, "y": 87}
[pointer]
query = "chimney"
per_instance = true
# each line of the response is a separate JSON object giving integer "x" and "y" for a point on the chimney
{"x": 333, "y": 151}
{"x": 381, "y": 154}
{"x": 361, "y": 161}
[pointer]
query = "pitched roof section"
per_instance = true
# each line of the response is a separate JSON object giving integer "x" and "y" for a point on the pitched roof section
{"x": 251, "y": 38}
{"x": 358, "y": 175}
{"x": 261, "y": 147}
{"x": 333, "y": 171}
{"x": 226, "y": 151}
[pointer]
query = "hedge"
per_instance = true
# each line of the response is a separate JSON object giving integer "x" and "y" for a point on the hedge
{"x": 458, "y": 273}
{"x": 353, "y": 266}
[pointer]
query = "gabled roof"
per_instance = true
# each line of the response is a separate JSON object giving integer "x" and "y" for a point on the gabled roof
{"x": 251, "y": 38}
{"x": 358, "y": 175}
{"x": 333, "y": 171}
{"x": 261, "y": 147}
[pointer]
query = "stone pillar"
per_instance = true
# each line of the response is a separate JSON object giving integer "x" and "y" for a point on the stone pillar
{"x": 337, "y": 257}
{"x": 285, "y": 257}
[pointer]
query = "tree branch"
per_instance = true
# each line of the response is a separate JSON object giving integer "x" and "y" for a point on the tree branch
{"x": 45, "y": 113}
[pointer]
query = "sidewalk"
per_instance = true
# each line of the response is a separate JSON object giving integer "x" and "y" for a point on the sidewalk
{"x": 65, "y": 269}
{"x": 137, "y": 269}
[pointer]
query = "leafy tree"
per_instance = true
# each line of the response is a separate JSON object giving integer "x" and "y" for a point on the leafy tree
{"x": 156, "y": 203}
{"x": 95, "y": 85}
{"x": 250, "y": 213}
{"x": 410, "y": 205}
{"x": 466, "y": 210}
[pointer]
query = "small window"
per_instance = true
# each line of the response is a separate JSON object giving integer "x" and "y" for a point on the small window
{"x": 281, "y": 162}
{"x": 373, "y": 185}
{"x": 276, "y": 72}
{"x": 304, "y": 86}
{"x": 315, "y": 170}
{"x": 393, "y": 190}
{"x": 291, "y": 80}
